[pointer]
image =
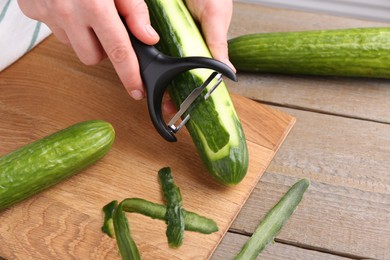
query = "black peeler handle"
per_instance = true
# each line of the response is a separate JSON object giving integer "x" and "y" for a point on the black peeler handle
{"x": 158, "y": 70}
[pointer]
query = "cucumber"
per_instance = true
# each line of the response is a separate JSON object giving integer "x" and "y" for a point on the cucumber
{"x": 357, "y": 52}
{"x": 49, "y": 160}
{"x": 214, "y": 125}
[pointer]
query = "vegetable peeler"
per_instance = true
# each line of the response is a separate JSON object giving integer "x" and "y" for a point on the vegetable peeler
{"x": 158, "y": 70}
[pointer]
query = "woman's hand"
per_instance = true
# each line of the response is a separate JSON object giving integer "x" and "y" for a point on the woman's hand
{"x": 94, "y": 30}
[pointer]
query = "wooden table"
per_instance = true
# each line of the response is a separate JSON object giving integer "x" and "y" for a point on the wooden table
{"x": 341, "y": 142}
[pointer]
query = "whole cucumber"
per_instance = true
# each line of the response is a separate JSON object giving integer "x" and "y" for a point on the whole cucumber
{"x": 356, "y": 52}
{"x": 49, "y": 160}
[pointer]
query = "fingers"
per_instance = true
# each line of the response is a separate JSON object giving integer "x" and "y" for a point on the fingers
{"x": 94, "y": 30}
{"x": 169, "y": 107}
{"x": 114, "y": 38}
{"x": 86, "y": 45}
{"x": 112, "y": 35}
{"x": 118, "y": 46}
{"x": 60, "y": 34}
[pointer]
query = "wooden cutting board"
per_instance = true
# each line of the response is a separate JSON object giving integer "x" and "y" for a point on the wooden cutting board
{"x": 48, "y": 90}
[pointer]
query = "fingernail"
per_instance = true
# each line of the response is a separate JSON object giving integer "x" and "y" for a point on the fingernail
{"x": 137, "y": 94}
{"x": 151, "y": 30}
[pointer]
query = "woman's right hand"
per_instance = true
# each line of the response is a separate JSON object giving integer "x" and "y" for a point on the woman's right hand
{"x": 94, "y": 30}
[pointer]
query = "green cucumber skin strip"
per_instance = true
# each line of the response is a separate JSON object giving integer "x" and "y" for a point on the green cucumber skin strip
{"x": 108, "y": 212}
{"x": 174, "y": 215}
{"x": 358, "y": 52}
{"x": 273, "y": 221}
{"x": 45, "y": 162}
{"x": 126, "y": 245}
{"x": 192, "y": 221}
{"x": 215, "y": 129}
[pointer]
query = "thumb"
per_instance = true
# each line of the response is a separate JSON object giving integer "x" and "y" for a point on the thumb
{"x": 215, "y": 24}
{"x": 216, "y": 41}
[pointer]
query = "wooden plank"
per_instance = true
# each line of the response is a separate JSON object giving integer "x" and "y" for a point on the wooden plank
{"x": 360, "y": 98}
{"x": 347, "y": 208}
{"x": 252, "y": 18}
{"x": 49, "y": 89}
{"x": 231, "y": 244}
{"x": 377, "y": 10}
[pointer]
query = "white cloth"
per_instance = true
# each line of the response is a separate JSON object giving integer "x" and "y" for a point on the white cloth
{"x": 18, "y": 33}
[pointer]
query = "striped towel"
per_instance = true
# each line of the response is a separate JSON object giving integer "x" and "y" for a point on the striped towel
{"x": 18, "y": 33}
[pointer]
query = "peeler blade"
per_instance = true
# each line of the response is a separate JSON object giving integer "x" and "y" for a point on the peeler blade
{"x": 219, "y": 80}
{"x": 191, "y": 98}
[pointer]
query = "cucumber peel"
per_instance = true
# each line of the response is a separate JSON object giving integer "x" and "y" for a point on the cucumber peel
{"x": 273, "y": 221}
{"x": 192, "y": 221}
{"x": 174, "y": 215}
{"x": 126, "y": 245}
{"x": 115, "y": 223}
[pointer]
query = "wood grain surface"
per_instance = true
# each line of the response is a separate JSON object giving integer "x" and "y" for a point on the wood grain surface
{"x": 341, "y": 142}
{"x": 49, "y": 89}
